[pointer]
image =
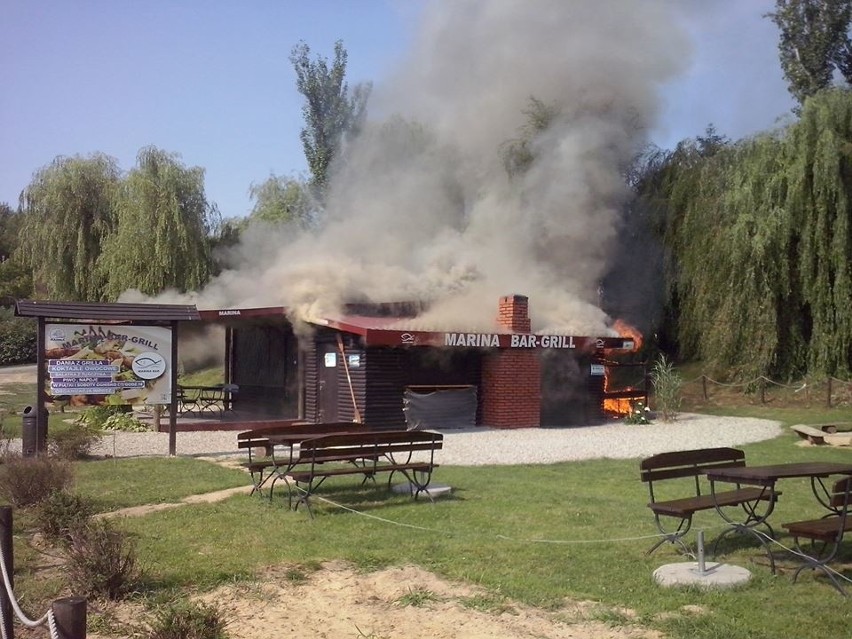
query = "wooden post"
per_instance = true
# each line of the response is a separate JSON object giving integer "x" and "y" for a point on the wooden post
{"x": 762, "y": 390}
{"x": 70, "y": 616}
{"x": 173, "y": 402}
{"x": 828, "y": 394}
{"x": 6, "y": 543}
{"x": 704, "y": 386}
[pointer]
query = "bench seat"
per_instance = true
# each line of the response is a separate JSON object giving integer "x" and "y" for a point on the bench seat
{"x": 827, "y": 529}
{"x": 690, "y": 505}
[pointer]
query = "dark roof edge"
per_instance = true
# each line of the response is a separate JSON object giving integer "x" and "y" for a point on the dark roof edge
{"x": 117, "y": 311}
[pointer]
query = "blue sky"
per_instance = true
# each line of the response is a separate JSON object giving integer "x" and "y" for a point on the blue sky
{"x": 211, "y": 80}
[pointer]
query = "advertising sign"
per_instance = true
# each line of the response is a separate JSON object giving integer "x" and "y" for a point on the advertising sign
{"x": 107, "y": 364}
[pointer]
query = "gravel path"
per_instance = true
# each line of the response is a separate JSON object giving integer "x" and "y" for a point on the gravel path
{"x": 488, "y": 446}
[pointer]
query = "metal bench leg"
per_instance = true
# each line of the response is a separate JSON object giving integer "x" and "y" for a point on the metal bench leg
{"x": 673, "y": 537}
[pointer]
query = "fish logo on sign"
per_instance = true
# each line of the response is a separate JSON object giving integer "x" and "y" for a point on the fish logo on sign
{"x": 407, "y": 338}
{"x": 149, "y": 365}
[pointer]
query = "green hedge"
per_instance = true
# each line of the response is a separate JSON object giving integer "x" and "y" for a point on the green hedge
{"x": 17, "y": 340}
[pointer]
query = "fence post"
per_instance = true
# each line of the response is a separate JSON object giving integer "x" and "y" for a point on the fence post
{"x": 704, "y": 386}
{"x": 762, "y": 381}
{"x": 6, "y": 544}
{"x": 70, "y": 616}
{"x": 828, "y": 394}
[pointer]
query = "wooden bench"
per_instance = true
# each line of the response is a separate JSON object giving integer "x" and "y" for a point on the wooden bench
{"x": 262, "y": 462}
{"x": 690, "y": 465}
{"x": 367, "y": 454}
{"x": 812, "y": 434}
{"x": 828, "y": 531}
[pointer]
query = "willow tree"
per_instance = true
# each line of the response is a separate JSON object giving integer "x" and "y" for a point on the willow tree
{"x": 820, "y": 202}
{"x": 161, "y": 240}
{"x": 69, "y": 208}
{"x": 281, "y": 200}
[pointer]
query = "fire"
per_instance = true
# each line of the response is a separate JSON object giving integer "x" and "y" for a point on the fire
{"x": 626, "y": 330}
{"x": 621, "y": 406}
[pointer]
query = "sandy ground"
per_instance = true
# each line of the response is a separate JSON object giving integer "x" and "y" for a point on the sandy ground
{"x": 404, "y": 602}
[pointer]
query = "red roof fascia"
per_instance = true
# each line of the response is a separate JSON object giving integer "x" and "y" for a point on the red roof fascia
{"x": 375, "y": 333}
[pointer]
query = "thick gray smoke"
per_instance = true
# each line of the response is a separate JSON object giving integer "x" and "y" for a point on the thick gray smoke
{"x": 423, "y": 207}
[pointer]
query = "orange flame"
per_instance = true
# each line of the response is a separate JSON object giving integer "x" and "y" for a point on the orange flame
{"x": 621, "y": 406}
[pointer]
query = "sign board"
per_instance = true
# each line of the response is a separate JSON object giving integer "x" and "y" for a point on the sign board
{"x": 598, "y": 369}
{"x": 109, "y": 364}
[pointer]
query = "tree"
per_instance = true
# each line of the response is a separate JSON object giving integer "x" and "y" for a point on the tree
{"x": 281, "y": 200}
{"x": 517, "y": 153}
{"x": 332, "y": 113}
{"x": 15, "y": 279}
{"x": 69, "y": 208}
{"x": 814, "y": 43}
{"x": 164, "y": 219}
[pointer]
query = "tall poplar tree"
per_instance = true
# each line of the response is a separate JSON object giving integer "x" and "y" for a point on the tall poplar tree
{"x": 332, "y": 112}
{"x": 161, "y": 240}
{"x": 69, "y": 208}
{"x": 814, "y": 42}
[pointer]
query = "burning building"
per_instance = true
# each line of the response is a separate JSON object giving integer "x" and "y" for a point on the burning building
{"x": 369, "y": 365}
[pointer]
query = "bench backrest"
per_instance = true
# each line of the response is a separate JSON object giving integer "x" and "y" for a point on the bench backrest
{"x": 295, "y": 427}
{"x": 371, "y": 444}
{"x": 840, "y": 498}
{"x": 688, "y": 463}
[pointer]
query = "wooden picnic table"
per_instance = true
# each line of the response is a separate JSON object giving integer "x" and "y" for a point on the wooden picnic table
{"x": 759, "y": 510}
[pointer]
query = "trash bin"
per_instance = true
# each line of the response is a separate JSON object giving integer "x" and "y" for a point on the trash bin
{"x": 33, "y": 441}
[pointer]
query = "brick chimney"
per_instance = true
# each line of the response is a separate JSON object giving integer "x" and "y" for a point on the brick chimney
{"x": 511, "y": 377}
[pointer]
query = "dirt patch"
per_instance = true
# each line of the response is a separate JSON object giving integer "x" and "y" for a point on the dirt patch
{"x": 337, "y": 601}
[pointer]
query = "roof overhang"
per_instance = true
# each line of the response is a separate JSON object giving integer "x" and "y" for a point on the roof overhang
{"x": 385, "y": 331}
{"x": 111, "y": 312}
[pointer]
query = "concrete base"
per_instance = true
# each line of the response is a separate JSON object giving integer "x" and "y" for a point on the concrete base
{"x": 434, "y": 491}
{"x": 687, "y": 574}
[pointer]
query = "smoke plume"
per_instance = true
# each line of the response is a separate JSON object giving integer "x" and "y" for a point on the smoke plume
{"x": 422, "y": 207}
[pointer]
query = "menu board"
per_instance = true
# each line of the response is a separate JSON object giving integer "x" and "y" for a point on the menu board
{"x": 108, "y": 364}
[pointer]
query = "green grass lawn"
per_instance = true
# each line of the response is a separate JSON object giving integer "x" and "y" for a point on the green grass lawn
{"x": 537, "y": 534}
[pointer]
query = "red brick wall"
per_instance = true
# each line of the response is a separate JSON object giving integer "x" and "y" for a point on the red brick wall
{"x": 511, "y": 377}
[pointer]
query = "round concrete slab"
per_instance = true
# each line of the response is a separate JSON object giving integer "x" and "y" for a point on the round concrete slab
{"x": 688, "y": 574}
{"x": 434, "y": 490}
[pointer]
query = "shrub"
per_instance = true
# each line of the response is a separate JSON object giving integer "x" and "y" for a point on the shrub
{"x": 101, "y": 560}
{"x": 61, "y": 513}
{"x": 113, "y": 418}
{"x": 96, "y": 416}
{"x": 667, "y": 385}
{"x": 17, "y": 340}
{"x": 187, "y": 620}
{"x": 26, "y": 481}
{"x": 125, "y": 422}
{"x": 75, "y": 442}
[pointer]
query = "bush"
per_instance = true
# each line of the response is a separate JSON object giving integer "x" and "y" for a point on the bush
{"x": 667, "y": 386}
{"x": 187, "y": 620}
{"x": 97, "y": 416}
{"x": 101, "y": 560}
{"x": 125, "y": 422}
{"x": 75, "y": 442}
{"x": 112, "y": 418}
{"x": 26, "y": 481}
{"x": 61, "y": 513}
{"x": 17, "y": 340}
